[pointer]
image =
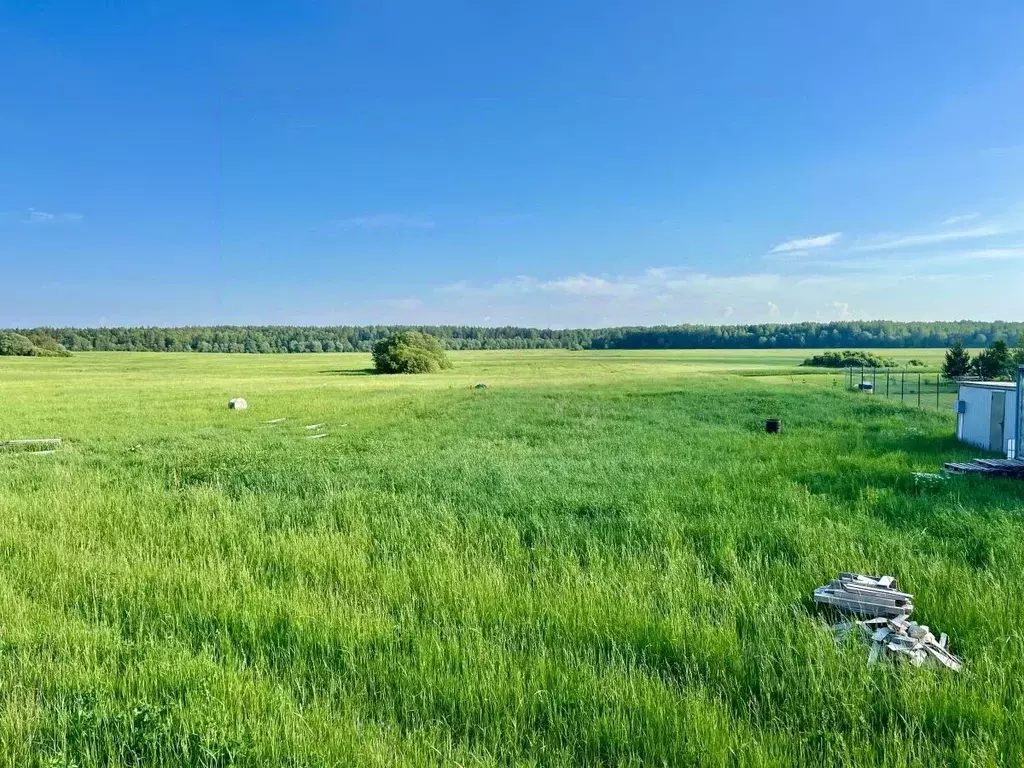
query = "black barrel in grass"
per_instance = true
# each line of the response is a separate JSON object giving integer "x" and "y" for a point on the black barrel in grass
{"x": 773, "y": 426}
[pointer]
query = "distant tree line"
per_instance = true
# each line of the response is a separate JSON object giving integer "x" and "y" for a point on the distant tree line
{"x": 284, "y": 339}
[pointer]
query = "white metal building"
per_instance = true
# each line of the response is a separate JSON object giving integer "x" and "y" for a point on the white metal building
{"x": 989, "y": 415}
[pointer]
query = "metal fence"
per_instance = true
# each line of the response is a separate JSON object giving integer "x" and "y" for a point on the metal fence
{"x": 923, "y": 390}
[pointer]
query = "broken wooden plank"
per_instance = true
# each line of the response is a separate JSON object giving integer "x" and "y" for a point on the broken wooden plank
{"x": 858, "y": 577}
{"x": 958, "y": 467}
{"x": 993, "y": 463}
{"x": 868, "y": 598}
{"x": 944, "y": 658}
{"x": 876, "y": 650}
{"x": 863, "y": 608}
{"x": 27, "y": 443}
{"x": 877, "y": 592}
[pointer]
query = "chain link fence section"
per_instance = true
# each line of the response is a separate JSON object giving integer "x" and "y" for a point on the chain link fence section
{"x": 923, "y": 390}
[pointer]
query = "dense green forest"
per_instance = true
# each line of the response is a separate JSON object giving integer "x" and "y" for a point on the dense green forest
{"x": 266, "y": 339}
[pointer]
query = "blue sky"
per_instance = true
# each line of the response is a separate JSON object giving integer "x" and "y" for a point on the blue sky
{"x": 535, "y": 163}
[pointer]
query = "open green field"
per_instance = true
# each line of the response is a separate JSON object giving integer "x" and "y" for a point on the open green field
{"x": 601, "y": 559}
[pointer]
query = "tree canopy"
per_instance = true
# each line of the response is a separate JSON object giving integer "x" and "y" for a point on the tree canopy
{"x": 291, "y": 339}
{"x": 957, "y": 362}
{"x": 996, "y": 363}
{"x": 409, "y": 352}
{"x": 35, "y": 345}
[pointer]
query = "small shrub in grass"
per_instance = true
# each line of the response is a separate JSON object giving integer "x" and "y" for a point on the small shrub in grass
{"x": 849, "y": 358}
{"x": 409, "y": 352}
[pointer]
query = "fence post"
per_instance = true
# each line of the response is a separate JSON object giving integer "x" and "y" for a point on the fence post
{"x": 919, "y": 390}
{"x": 903, "y": 385}
{"x": 886, "y": 383}
{"x": 862, "y": 377}
{"x": 874, "y": 377}
{"x": 937, "y": 404}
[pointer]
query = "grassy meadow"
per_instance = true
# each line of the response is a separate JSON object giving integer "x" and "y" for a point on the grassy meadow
{"x": 601, "y": 559}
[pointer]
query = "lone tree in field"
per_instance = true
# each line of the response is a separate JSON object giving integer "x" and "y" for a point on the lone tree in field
{"x": 409, "y": 352}
{"x": 958, "y": 361}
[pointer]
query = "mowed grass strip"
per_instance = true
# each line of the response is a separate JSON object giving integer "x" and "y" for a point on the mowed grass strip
{"x": 600, "y": 559}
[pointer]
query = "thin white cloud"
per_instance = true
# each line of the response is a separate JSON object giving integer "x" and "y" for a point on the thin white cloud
{"x": 1013, "y": 149}
{"x": 990, "y": 254}
{"x": 586, "y": 285}
{"x": 650, "y": 283}
{"x": 503, "y": 219}
{"x": 842, "y": 310}
{"x": 407, "y": 304}
{"x": 914, "y": 262}
{"x": 931, "y": 238}
{"x": 807, "y": 243}
{"x": 961, "y": 219}
{"x": 462, "y": 286}
{"x": 43, "y": 217}
{"x": 670, "y": 295}
{"x": 386, "y": 221}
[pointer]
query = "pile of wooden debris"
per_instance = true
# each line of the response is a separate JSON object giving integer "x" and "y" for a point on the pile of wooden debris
{"x": 889, "y": 631}
{"x": 900, "y": 638}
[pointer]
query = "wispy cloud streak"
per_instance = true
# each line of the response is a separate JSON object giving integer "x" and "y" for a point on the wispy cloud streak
{"x": 386, "y": 221}
{"x": 33, "y": 216}
{"x": 931, "y": 238}
{"x": 807, "y": 243}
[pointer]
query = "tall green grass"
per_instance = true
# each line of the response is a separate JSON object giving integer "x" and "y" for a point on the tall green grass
{"x": 599, "y": 560}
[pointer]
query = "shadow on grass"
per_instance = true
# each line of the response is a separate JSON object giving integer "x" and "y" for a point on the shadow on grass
{"x": 351, "y": 372}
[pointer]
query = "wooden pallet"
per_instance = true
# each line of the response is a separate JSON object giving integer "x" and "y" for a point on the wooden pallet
{"x": 989, "y": 467}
